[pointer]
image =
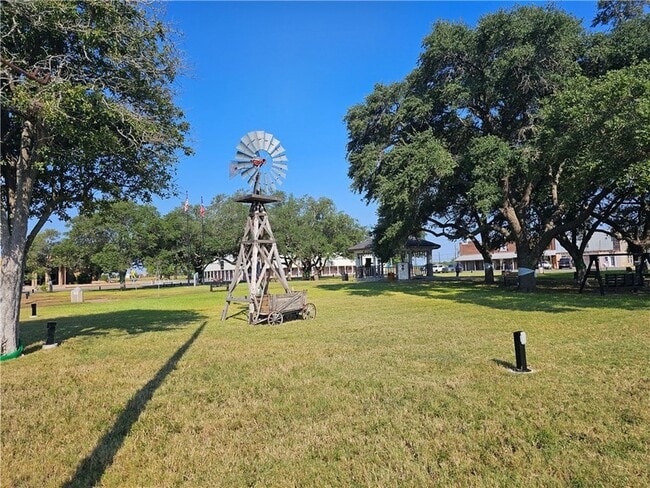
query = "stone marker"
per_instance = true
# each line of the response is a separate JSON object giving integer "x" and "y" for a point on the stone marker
{"x": 77, "y": 295}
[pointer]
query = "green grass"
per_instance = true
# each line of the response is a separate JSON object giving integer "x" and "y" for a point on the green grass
{"x": 392, "y": 384}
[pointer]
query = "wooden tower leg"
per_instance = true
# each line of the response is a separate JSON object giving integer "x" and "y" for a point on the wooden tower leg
{"x": 257, "y": 261}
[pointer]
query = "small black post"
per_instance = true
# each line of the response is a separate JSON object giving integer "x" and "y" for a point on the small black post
{"x": 520, "y": 351}
{"x": 33, "y": 310}
{"x": 51, "y": 328}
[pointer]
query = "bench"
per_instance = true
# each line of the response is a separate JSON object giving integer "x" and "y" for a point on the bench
{"x": 510, "y": 277}
{"x": 623, "y": 280}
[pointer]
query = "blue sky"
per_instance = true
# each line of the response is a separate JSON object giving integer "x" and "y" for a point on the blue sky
{"x": 294, "y": 69}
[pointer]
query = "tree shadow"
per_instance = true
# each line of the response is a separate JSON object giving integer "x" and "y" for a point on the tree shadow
{"x": 90, "y": 471}
{"x": 139, "y": 321}
{"x": 550, "y": 299}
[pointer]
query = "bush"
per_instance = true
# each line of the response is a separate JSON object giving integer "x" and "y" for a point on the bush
{"x": 84, "y": 278}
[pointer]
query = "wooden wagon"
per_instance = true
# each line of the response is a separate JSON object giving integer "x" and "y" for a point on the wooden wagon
{"x": 273, "y": 308}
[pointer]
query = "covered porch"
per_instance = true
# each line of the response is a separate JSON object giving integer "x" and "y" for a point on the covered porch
{"x": 369, "y": 266}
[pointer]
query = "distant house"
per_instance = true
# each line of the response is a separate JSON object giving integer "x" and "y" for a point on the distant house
{"x": 505, "y": 258}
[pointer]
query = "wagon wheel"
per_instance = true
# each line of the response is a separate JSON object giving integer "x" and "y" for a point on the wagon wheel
{"x": 309, "y": 312}
{"x": 275, "y": 318}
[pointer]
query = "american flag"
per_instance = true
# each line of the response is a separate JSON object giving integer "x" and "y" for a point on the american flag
{"x": 202, "y": 209}
{"x": 186, "y": 207}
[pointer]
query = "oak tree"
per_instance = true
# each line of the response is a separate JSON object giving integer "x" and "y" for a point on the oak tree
{"x": 87, "y": 115}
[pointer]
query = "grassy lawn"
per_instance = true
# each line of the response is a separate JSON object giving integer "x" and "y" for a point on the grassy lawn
{"x": 392, "y": 384}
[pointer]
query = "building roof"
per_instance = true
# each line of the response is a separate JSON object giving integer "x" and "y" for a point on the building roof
{"x": 362, "y": 246}
{"x": 417, "y": 243}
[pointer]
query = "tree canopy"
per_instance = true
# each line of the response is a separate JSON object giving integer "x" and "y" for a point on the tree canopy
{"x": 311, "y": 231}
{"x": 88, "y": 115}
{"x": 113, "y": 239}
{"x": 126, "y": 234}
{"x": 455, "y": 149}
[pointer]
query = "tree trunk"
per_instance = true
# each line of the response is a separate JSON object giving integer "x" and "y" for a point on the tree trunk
{"x": 14, "y": 243}
{"x": 486, "y": 254}
{"x": 489, "y": 272}
{"x": 577, "y": 254}
{"x": 526, "y": 263}
{"x": 11, "y": 280}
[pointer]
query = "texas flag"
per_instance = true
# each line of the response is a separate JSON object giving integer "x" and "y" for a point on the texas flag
{"x": 202, "y": 209}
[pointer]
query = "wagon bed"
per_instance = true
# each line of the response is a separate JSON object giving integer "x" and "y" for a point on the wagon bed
{"x": 272, "y": 308}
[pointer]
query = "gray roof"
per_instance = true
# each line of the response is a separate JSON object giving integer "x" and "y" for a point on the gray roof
{"x": 363, "y": 245}
{"x": 417, "y": 243}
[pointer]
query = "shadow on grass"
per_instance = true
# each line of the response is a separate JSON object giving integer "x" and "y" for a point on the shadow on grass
{"x": 504, "y": 364}
{"x": 549, "y": 297}
{"x": 92, "y": 468}
{"x": 138, "y": 321}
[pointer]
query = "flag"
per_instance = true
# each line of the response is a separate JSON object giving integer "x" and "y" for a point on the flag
{"x": 186, "y": 207}
{"x": 202, "y": 209}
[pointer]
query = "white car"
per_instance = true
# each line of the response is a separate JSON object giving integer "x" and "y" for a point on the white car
{"x": 437, "y": 268}
{"x": 545, "y": 265}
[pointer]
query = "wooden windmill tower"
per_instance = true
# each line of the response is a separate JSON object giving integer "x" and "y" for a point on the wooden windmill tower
{"x": 261, "y": 160}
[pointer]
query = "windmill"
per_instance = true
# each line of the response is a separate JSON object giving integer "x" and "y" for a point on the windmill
{"x": 262, "y": 162}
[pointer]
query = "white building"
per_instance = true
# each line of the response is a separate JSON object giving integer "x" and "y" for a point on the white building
{"x": 223, "y": 271}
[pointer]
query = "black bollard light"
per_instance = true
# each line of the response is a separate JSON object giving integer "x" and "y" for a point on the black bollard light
{"x": 49, "y": 342}
{"x": 520, "y": 352}
{"x": 33, "y": 310}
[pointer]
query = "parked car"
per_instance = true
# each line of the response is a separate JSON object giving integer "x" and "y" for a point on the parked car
{"x": 437, "y": 268}
{"x": 564, "y": 263}
{"x": 449, "y": 269}
{"x": 545, "y": 265}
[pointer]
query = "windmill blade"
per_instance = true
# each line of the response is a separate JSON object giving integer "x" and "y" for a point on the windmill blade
{"x": 280, "y": 166}
{"x": 248, "y": 141}
{"x": 273, "y": 145}
{"x": 253, "y": 143}
{"x": 252, "y": 176}
{"x": 242, "y": 149}
{"x": 267, "y": 141}
{"x": 243, "y": 160}
{"x": 280, "y": 159}
{"x": 237, "y": 166}
{"x": 278, "y": 174}
{"x": 247, "y": 171}
{"x": 277, "y": 178}
{"x": 271, "y": 183}
{"x": 278, "y": 151}
{"x": 266, "y": 184}
{"x": 259, "y": 140}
